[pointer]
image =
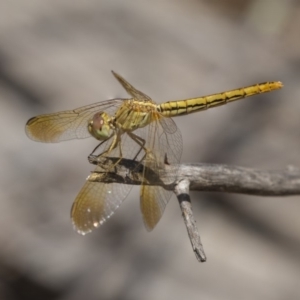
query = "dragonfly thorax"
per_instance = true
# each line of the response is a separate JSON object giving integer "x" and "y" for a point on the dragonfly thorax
{"x": 135, "y": 114}
{"x": 99, "y": 127}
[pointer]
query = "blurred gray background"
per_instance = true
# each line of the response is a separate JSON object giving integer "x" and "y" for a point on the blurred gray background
{"x": 57, "y": 55}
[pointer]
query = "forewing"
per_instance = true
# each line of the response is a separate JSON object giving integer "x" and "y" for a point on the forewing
{"x": 69, "y": 124}
{"x": 95, "y": 203}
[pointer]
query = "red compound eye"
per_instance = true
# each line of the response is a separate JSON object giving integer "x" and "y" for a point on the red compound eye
{"x": 98, "y": 121}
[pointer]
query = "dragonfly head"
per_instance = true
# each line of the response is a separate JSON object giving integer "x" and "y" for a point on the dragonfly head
{"x": 99, "y": 126}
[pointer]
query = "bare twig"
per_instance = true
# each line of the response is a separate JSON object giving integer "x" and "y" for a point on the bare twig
{"x": 182, "y": 193}
{"x": 200, "y": 177}
{"x": 207, "y": 177}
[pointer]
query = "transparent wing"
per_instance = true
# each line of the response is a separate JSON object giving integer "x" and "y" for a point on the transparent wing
{"x": 153, "y": 203}
{"x": 69, "y": 124}
{"x": 95, "y": 203}
{"x": 131, "y": 90}
{"x": 162, "y": 143}
{"x": 170, "y": 141}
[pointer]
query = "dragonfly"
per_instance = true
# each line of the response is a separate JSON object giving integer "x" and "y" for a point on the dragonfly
{"x": 135, "y": 128}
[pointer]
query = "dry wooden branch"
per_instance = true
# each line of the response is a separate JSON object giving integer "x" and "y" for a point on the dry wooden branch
{"x": 184, "y": 199}
{"x": 201, "y": 177}
{"x": 207, "y": 177}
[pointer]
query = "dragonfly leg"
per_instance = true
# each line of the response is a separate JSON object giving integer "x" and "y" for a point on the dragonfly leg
{"x": 120, "y": 154}
{"x": 140, "y": 141}
{"x": 99, "y": 146}
{"x": 114, "y": 144}
{"x": 117, "y": 143}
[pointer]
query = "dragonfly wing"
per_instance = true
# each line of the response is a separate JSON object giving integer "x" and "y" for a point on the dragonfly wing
{"x": 153, "y": 202}
{"x": 160, "y": 144}
{"x": 95, "y": 203}
{"x": 136, "y": 94}
{"x": 170, "y": 141}
{"x": 67, "y": 125}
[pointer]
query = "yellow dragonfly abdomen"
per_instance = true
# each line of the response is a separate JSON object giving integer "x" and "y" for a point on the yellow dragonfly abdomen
{"x": 187, "y": 106}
